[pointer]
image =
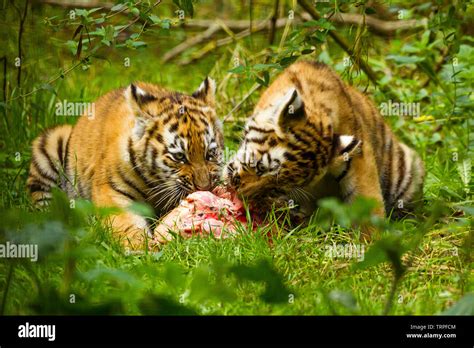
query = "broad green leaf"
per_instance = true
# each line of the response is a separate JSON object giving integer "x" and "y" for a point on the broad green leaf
{"x": 141, "y": 209}
{"x": 370, "y": 10}
{"x": 238, "y": 70}
{"x": 344, "y": 298}
{"x": 465, "y": 306}
{"x": 117, "y": 7}
{"x": 405, "y": 59}
{"x": 275, "y": 289}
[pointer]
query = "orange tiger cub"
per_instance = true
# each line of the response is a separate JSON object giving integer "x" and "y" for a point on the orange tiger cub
{"x": 312, "y": 136}
{"x": 143, "y": 143}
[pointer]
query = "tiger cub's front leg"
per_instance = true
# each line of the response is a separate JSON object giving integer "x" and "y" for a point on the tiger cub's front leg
{"x": 130, "y": 228}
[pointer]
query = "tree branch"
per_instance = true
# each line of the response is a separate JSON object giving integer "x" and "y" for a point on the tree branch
{"x": 192, "y": 41}
{"x": 378, "y": 26}
{"x": 225, "y": 41}
{"x": 345, "y": 46}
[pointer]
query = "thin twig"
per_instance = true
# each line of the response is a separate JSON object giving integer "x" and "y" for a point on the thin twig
{"x": 239, "y": 104}
{"x": 271, "y": 38}
{"x": 20, "y": 35}
{"x": 391, "y": 295}
{"x": 4, "y": 59}
{"x": 225, "y": 41}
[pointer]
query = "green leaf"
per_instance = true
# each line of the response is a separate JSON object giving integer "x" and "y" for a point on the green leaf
{"x": 92, "y": 10}
{"x": 81, "y": 12}
{"x": 344, "y": 298}
{"x": 370, "y": 10}
{"x": 165, "y": 24}
{"x": 48, "y": 87}
{"x": 404, "y": 59}
{"x": 102, "y": 274}
{"x": 154, "y": 18}
{"x": 261, "y": 82}
{"x": 260, "y": 67}
{"x": 117, "y": 7}
{"x": 238, "y": 70}
{"x": 141, "y": 209}
{"x": 288, "y": 60}
{"x": 266, "y": 77}
{"x": 174, "y": 276}
{"x": 135, "y": 11}
{"x": 275, "y": 289}
{"x": 321, "y": 23}
{"x": 203, "y": 289}
{"x": 109, "y": 33}
{"x": 388, "y": 249}
{"x": 307, "y": 51}
{"x": 465, "y": 306}
{"x": 137, "y": 44}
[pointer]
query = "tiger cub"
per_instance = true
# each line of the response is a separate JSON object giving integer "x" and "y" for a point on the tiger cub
{"x": 143, "y": 143}
{"x": 312, "y": 136}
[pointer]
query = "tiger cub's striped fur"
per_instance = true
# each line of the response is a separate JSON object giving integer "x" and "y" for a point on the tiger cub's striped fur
{"x": 144, "y": 143}
{"x": 311, "y": 136}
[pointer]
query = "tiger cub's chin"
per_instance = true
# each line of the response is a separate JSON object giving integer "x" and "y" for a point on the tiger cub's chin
{"x": 313, "y": 136}
{"x": 143, "y": 143}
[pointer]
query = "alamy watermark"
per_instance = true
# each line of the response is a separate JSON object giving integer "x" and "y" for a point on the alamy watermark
{"x": 393, "y": 108}
{"x": 68, "y": 108}
{"x": 20, "y": 251}
{"x": 28, "y": 330}
{"x": 345, "y": 251}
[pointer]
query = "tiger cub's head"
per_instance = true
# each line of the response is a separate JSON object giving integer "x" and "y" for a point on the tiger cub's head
{"x": 287, "y": 146}
{"x": 176, "y": 142}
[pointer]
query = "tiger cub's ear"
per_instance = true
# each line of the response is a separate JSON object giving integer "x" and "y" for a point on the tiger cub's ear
{"x": 136, "y": 98}
{"x": 346, "y": 146}
{"x": 206, "y": 91}
{"x": 290, "y": 108}
{"x": 139, "y": 96}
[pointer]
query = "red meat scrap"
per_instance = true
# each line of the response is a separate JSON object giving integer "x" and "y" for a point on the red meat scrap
{"x": 202, "y": 213}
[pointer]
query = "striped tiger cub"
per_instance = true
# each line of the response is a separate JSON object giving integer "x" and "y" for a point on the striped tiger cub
{"x": 143, "y": 143}
{"x": 312, "y": 136}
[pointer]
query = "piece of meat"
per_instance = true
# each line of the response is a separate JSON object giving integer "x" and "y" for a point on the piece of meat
{"x": 203, "y": 212}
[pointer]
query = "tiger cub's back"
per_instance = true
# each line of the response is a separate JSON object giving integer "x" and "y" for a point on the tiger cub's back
{"x": 401, "y": 169}
{"x": 48, "y": 162}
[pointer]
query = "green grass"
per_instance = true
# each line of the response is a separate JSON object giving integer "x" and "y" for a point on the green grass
{"x": 287, "y": 274}
{"x": 251, "y": 273}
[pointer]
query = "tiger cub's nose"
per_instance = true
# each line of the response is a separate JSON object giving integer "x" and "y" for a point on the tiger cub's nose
{"x": 205, "y": 187}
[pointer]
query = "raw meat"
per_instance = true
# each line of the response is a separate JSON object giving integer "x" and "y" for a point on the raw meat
{"x": 203, "y": 212}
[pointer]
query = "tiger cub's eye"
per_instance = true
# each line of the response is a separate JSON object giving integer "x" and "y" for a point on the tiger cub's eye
{"x": 179, "y": 156}
{"x": 211, "y": 154}
{"x": 261, "y": 168}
